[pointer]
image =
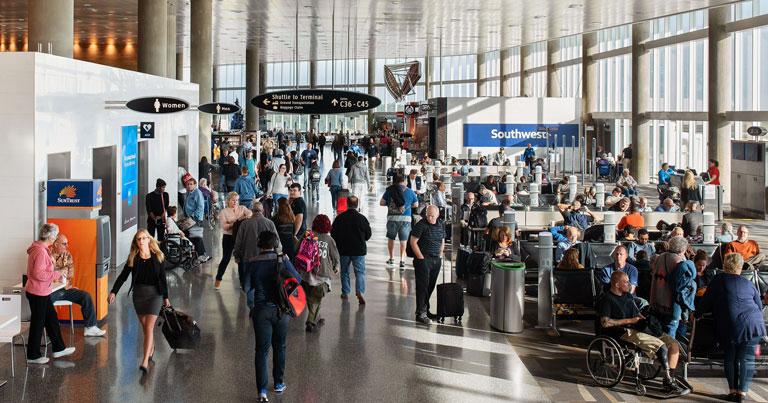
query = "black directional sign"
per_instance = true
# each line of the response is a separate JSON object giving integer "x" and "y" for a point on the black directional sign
{"x": 157, "y": 105}
{"x": 756, "y": 131}
{"x": 218, "y": 108}
{"x": 318, "y": 102}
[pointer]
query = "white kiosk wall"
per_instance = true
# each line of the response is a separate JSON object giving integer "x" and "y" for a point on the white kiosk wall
{"x": 490, "y": 112}
{"x": 51, "y": 105}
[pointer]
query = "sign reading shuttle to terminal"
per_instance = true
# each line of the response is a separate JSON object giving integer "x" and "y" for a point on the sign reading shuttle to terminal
{"x": 517, "y": 135}
{"x": 315, "y": 102}
{"x": 157, "y": 105}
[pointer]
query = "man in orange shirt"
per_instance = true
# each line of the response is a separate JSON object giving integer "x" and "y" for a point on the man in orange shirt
{"x": 747, "y": 248}
{"x": 633, "y": 218}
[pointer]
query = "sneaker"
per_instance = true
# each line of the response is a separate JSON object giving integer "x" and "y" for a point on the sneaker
{"x": 402, "y": 266}
{"x": 432, "y": 316}
{"x": 65, "y": 352}
{"x": 39, "y": 361}
{"x": 423, "y": 319}
{"x": 360, "y": 299}
{"x": 206, "y": 258}
{"x": 216, "y": 284}
{"x": 263, "y": 396}
{"x": 344, "y": 297}
{"x": 672, "y": 388}
{"x": 308, "y": 328}
{"x": 279, "y": 387}
{"x": 391, "y": 262}
{"x": 320, "y": 321}
{"x": 94, "y": 331}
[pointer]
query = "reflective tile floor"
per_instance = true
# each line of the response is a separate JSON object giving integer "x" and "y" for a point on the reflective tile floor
{"x": 371, "y": 353}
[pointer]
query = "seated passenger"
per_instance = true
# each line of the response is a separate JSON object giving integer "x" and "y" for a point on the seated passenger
{"x": 522, "y": 186}
{"x": 627, "y": 183}
{"x": 643, "y": 205}
{"x": 664, "y": 174}
{"x": 633, "y": 218}
{"x": 642, "y": 261}
{"x": 628, "y": 234}
{"x": 590, "y": 195}
{"x": 486, "y": 196}
{"x": 622, "y": 206}
{"x": 747, "y": 248}
{"x": 692, "y": 219}
{"x": 668, "y": 206}
{"x": 726, "y": 233}
{"x": 570, "y": 260}
{"x": 642, "y": 244}
{"x": 573, "y": 217}
{"x": 618, "y": 314}
{"x": 562, "y": 190}
{"x": 614, "y": 197}
{"x": 503, "y": 239}
{"x": 571, "y": 238}
{"x": 619, "y": 256}
{"x": 703, "y": 275}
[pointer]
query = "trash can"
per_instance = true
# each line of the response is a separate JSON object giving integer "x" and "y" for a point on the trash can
{"x": 507, "y": 296}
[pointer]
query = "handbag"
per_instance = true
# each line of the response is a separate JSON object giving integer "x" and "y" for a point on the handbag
{"x": 186, "y": 223}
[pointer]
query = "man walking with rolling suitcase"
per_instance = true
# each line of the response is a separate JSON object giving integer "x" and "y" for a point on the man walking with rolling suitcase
{"x": 427, "y": 241}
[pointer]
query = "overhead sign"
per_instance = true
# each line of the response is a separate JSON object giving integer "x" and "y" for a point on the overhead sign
{"x": 757, "y": 131}
{"x": 147, "y": 130}
{"x": 400, "y": 114}
{"x": 68, "y": 193}
{"x": 425, "y": 107}
{"x": 317, "y": 102}
{"x": 129, "y": 175}
{"x": 411, "y": 110}
{"x": 157, "y": 105}
{"x": 218, "y": 108}
{"x": 516, "y": 135}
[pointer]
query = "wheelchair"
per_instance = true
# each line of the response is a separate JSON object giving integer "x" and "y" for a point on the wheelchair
{"x": 608, "y": 361}
{"x": 178, "y": 252}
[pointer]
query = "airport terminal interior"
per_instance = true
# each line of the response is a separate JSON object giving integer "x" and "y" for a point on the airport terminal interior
{"x": 384, "y": 201}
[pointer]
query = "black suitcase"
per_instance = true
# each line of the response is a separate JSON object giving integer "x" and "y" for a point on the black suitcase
{"x": 479, "y": 285}
{"x": 179, "y": 329}
{"x": 479, "y": 263}
{"x": 450, "y": 301}
{"x": 462, "y": 262}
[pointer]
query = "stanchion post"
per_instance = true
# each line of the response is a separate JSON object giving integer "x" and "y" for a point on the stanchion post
{"x": 545, "y": 288}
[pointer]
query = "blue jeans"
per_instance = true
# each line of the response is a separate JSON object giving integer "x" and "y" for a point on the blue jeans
{"x": 335, "y": 195}
{"x": 270, "y": 330}
{"x": 275, "y": 198}
{"x": 670, "y": 327}
{"x": 629, "y": 192}
{"x": 740, "y": 364}
{"x": 246, "y": 203}
{"x": 359, "y": 264}
{"x": 81, "y": 298}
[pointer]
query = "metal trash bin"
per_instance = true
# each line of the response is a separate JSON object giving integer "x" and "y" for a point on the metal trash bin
{"x": 507, "y": 296}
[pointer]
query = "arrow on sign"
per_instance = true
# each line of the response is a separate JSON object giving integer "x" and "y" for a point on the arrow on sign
{"x": 334, "y": 102}
{"x": 266, "y": 102}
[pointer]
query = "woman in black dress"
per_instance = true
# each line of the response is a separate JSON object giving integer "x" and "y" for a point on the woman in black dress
{"x": 150, "y": 290}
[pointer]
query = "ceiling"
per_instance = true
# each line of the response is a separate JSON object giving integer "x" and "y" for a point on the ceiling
{"x": 363, "y": 28}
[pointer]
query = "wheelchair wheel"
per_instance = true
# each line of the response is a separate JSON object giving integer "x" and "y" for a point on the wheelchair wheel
{"x": 174, "y": 253}
{"x": 650, "y": 371}
{"x": 605, "y": 361}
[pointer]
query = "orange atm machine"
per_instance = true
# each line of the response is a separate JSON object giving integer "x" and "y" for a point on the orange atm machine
{"x": 74, "y": 206}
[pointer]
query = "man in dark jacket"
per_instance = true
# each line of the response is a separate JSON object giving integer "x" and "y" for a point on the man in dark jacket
{"x": 351, "y": 230}
{"x": 157, "y": 204}
{"x": 427, "y": 241}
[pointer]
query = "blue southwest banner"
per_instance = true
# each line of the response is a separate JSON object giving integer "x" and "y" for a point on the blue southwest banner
{"x": 517, "y": 135}
{"x": 129, "y": 175}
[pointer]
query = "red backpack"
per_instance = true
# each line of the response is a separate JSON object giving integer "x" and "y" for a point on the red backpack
{"x": 291, "y": 299}
{"x": 308, "y": 257}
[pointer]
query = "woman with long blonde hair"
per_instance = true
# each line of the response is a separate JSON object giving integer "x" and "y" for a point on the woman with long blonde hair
{"x": 690, "y": 190}
{"x": 150, "y": 289}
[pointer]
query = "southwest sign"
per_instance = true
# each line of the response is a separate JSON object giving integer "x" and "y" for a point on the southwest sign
{"x": 157, "y": 105}
{"x": 516, "y": 135}
{"x": 315, "y": 102}
{"x": 218, "y": 108}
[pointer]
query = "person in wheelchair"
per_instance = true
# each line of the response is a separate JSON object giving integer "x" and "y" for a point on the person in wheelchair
{"x": 621, "y": 319}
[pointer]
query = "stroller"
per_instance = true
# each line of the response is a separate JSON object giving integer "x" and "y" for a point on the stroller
{"x": 667, "y": 191}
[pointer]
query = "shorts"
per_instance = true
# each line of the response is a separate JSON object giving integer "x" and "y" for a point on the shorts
{"x": 647, "y": 343}
{"x": 398, "y": 229}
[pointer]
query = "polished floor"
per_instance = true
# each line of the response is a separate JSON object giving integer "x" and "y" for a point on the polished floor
{"x": 370, "y": 353}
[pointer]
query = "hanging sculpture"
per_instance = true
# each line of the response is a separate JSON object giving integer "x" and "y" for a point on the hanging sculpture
{"x": 401, "y": 79}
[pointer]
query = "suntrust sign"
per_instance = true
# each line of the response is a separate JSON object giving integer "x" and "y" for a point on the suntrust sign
{"x": 517, "y": 135}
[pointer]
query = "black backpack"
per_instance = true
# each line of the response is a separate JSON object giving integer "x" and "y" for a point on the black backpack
{"x": 396, "y": 203}
{"x": 478, "y": 217}
{"x": 479, "y": 263}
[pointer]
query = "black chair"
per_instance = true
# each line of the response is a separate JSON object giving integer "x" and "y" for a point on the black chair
{"x": 600, "y": 254}
{"x": 523, "y": 199}
{"x": 547, "y": 199}
{"x": 710, "y": 249}
{"x": 572, "y": 287}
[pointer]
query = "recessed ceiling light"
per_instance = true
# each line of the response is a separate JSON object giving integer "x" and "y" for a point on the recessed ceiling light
{"x": 538, "y": 17}
{"x": 576, "y": 6}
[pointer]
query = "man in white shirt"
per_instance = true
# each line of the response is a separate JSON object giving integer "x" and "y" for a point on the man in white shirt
{"x": 627, "y": 183}
{"x": 182, "y": 188}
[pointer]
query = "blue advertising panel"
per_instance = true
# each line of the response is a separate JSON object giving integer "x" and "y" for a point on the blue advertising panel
{"x": 129, "y": 175}
{"x": 517, "y": 135}
{"x": 69, "y": 193}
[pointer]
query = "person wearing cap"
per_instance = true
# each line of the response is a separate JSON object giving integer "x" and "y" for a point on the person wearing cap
{"x": 156, "y": 203}
{"x": 499, "y": 158}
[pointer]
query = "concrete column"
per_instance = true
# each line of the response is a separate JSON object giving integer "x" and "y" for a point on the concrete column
{"x": 427, "y": 76}
{"x": 505, "y": 67}
{"x": 314, "y": 123}
{"x": 51, "y": 21}
{"x": 482, "y": 86}
{"x": 553, "y": 79}
{"x": 589, "y": 92}
{"x": 371, "y": 89}
{"x": 153, "y": 37}
{"x": 201, "y": 64}
{"x": 641, "y": 103}
{"x": 719, "y": 133}
{"x": 251, "y": 87}
{"x": 180, "y": 65}
{"x": 262, "y": 84}
{"x": 526, "y": 63}
{"x": 170, "y": 51}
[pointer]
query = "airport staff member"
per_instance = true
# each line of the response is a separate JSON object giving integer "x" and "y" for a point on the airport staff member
{"x": 63, "y": 262}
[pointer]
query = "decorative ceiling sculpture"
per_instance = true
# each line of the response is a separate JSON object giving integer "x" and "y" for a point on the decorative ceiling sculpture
{"x": 402, "y": 78}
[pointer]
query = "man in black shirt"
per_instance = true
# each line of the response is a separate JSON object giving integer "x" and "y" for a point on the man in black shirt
{"x": 618, "y": 313}
{"x": 427, "y": 241}
{"x": 157, "y": 202}
{"x": 299, "y": 208}
{"x": 351, "y": 231}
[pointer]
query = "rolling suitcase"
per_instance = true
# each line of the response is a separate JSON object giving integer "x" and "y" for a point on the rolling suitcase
{"x": 179, "y": 329}
{"x": 479, "y": 285}
{"x": 450, "y": 301}
{"x": 462, "y": 262}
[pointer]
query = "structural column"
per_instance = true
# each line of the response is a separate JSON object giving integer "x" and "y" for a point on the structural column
{"x": 251, "y": 87}
{"x": 526, "y": 64}
{"x": 201, "y": 64}
{"x": 51, "y": 22}
{"x": 553, "y": 79}
{"x": 505, "y": 68}
{"x": 153, "y": 37}
{"x": 170, "y": 51}
{"x": 180, "y": 65}
{"x": 313, "y": 121}
{"x": 719, "y": 133}
{"x": 641, "y": 103}
{"x": 262, "y": 85}
{"x": 371, "y": 89}
{"x": 482, "y": 85}
{"x": 427, "y": 76}
{"x": 589, "y": 93}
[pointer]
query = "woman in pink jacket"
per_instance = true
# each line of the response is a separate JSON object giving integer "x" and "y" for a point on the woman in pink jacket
{"x": 40, "y": 277}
